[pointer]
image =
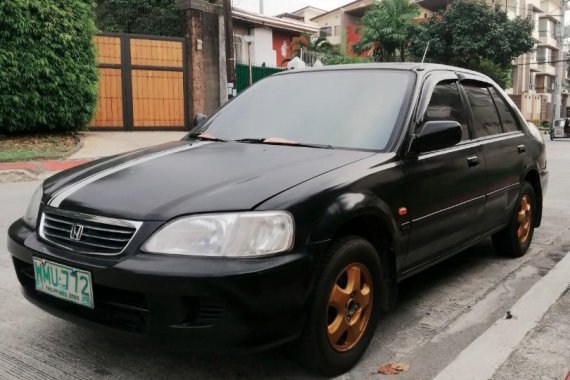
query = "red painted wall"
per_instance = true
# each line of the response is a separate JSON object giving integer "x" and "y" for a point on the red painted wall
{"x": 282, "y": 44}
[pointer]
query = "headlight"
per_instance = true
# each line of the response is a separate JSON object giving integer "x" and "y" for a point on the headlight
{"x": 244, "y": 234}
{"x": 31, "y": 215}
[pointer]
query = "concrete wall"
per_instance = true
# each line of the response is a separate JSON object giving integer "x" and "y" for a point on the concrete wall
{"x": 263, "y": 47}
{"x": 205, "y": 79}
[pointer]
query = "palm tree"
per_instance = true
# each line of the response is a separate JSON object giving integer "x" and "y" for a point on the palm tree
{"x": 387, "y": 27}
{"x": 305, "y": 44}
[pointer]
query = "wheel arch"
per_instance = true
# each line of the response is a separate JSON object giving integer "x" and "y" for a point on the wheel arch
{"x": 366, "y": 216}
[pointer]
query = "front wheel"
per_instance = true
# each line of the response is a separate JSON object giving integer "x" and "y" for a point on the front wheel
{"x": 515, "y": 239}
{"x": 345, "y": 308}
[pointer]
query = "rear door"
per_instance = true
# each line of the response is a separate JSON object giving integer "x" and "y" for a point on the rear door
{"x": 499, "y": 132}
{"x": 447, "y": 186}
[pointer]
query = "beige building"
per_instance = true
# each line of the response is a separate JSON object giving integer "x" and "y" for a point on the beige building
{"x": 534, "y": 73}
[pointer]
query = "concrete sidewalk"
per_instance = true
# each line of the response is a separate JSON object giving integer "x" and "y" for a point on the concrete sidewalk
{"x": 102, "y": 144}
{"x": 94, "y": 145}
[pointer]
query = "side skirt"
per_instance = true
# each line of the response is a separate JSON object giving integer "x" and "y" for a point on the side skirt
{"x": 446, "y": 254}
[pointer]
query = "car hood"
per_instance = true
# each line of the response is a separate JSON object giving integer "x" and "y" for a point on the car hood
{"x": 188, "y": 177}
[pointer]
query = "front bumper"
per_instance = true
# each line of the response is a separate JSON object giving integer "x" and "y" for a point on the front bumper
{"x": 210, "y": 305}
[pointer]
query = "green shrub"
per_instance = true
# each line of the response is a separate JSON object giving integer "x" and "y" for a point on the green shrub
{"x": 48, "y": 77}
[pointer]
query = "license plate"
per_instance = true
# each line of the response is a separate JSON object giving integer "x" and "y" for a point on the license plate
{"x": 61, "y": 281}
{"x": 558, "y": 133}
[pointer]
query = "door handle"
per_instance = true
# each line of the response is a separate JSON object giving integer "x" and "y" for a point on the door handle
{"x": 521, "y": 149}
{"x": 473, "y": 161}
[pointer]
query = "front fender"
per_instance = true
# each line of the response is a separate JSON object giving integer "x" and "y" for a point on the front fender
{"x": 349, "y": 206}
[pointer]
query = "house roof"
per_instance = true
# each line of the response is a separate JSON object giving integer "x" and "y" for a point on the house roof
{"x": 291, "y": 16}
{"x": 307, "y": 7}
{"x": 337, "y": 9}
{"x": 273, "y": 22}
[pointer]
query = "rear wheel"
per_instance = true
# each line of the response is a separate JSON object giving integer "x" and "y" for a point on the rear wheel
{"x": 345, "y": 308}
{"x": 515, "y": 239}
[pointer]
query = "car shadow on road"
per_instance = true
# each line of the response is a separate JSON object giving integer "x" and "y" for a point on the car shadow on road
{"x": 106, "y": 355}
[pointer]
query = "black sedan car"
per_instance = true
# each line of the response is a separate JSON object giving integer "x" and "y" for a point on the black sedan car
{"x": 290, "y": 215}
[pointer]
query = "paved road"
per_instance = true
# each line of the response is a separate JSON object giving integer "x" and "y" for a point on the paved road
{"x": 440, "y": 313}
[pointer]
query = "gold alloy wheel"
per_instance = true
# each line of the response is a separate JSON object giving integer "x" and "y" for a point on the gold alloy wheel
{"x": 525, "y": 219}
{"x": 349, "y": 307}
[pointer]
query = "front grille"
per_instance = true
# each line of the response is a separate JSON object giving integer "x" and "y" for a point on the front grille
{"x": 87, "y": 233}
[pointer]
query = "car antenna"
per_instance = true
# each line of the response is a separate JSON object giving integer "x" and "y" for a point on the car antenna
{"x": 425, "y": 52}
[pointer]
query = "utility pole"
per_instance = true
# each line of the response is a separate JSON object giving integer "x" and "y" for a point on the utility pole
{"x": 230, "y": 58}
{"x": 560, "y": 64}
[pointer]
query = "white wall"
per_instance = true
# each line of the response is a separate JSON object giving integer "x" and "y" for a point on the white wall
{"x": 263, "y": 47}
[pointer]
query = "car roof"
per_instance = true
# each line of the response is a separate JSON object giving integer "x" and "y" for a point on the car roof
{"x": 407, "y": 66}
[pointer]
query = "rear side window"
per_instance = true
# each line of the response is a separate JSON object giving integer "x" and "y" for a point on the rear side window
{"x": 505, "y": 113}
{"x": 446, "y": 104}
{"x": 486, "y": 120}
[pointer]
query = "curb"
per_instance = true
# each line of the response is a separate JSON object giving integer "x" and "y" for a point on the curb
{"x": 17, "y": 175}
{"x": 25, "y": 171}
{"x": 79, "y": 144}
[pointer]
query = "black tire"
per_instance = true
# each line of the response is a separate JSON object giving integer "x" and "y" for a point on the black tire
{"x": 551, "y": 136}
{"x": 316, "y": 351}
{"x": 508, "y": 242}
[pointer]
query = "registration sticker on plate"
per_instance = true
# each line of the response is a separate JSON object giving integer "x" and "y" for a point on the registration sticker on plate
{"x": 61, "y": 281}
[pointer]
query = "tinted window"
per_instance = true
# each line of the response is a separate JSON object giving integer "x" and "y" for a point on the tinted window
{"x": 505, "y": 113}
{"x": 446, "y": 104}
{"x": 486, "y": 119}
{"x": 352, "y": 109}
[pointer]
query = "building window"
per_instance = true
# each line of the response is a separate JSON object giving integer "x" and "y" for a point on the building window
{"x": 238, "y": 49}
{"x": 325, "y": 32}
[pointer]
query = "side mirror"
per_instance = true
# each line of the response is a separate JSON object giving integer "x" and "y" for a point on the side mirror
{"x": 436, "y": 135}
{"x": 199, "y": 119}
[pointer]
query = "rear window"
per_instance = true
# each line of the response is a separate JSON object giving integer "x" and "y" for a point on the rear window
{"x": 505, "y": 113}
{"x": 486, "y": 119}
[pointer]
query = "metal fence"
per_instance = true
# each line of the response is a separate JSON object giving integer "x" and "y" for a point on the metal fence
{"x": 258, "y": 73}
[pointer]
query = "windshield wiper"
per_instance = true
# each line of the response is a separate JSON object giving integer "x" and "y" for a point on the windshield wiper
{"x": 279, "y": 141}
{"x": 205, "y": 137}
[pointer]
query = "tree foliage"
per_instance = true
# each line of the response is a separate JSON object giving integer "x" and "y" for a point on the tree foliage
{"x": 344, "y": 60}
{"x": 387, "y": 29}
{"x": 154, "y": 17}
{"x": 305, "y": 42}
{"x": 48, "y": 75}
{"x": 476, "y": 36}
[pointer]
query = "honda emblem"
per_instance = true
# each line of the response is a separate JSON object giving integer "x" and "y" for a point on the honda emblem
{"x": 76, "y": 232}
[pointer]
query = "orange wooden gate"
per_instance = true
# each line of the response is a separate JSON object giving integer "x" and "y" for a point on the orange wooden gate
{"x": 142, "y": 83}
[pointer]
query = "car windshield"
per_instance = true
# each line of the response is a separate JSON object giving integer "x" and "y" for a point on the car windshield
{"x": 356, "y": 109}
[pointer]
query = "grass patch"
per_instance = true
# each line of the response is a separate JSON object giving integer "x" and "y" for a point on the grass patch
{"x": 35, "y": 147}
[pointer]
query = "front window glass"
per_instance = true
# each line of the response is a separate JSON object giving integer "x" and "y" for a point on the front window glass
{"x": 356, "y": 109}
{"x": 445, "y": 104}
